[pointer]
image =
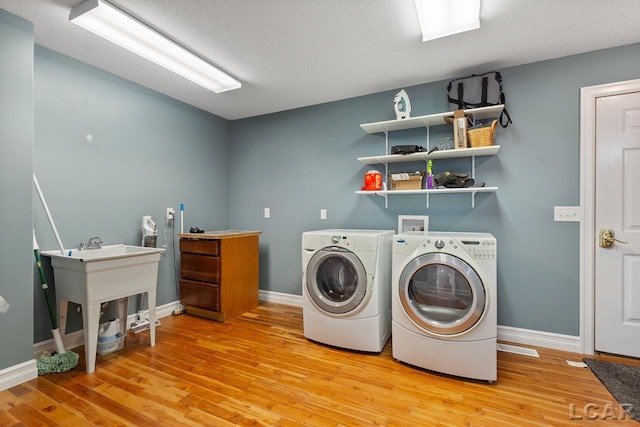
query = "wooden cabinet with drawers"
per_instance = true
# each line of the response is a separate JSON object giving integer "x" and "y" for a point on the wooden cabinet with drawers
{"x": 219, "y": 273}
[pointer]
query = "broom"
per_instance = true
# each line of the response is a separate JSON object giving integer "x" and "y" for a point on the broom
{"x": 62, "y": 360}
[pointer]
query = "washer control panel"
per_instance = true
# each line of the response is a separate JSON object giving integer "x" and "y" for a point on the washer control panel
{"x": 354, "y": 243}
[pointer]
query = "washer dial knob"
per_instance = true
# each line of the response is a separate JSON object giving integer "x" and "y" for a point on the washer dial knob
{"x": 335, "y": 240}
{"x": 439, "y": 244}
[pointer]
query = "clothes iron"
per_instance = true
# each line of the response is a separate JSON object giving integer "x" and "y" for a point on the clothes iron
{"x": 402, "y": 105}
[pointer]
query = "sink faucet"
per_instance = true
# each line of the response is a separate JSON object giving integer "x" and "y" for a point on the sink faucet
{"x": 94, "y": 243}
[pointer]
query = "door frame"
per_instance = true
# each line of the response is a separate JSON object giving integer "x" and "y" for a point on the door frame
{"x": 588, "y": 97}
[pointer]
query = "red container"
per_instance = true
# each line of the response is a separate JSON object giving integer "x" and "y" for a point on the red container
{"x": 373, "y": 180}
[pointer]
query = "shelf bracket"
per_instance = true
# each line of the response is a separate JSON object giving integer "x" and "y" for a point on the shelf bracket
{"x": 427, "y": 200}
{"x": 386, "y": 167}
{"x": 473, "y": 119}
{"x": 386, "y": 199}
{"x": 473, "y": 166}
{"x": 386, "y": 141}
{"x": 428, "y": 140}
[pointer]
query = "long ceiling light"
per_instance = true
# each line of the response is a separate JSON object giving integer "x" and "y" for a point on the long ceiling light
{"x": 117, "y": 26}
{"x": 441, "y": 18}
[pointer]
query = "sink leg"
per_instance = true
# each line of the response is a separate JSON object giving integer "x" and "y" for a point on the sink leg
{"x": 123, "y": 311}
{"x": 63, "y": 305}
{"x": 151, "y": 296}
{"x": 91, "y": 319}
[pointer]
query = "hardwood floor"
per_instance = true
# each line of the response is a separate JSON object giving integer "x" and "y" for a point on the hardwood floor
{"x": 259, "y": 369}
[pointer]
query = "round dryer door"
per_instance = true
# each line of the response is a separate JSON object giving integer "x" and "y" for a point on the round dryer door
{"x": 336, "y": 280}
{"x": 442, "y": 294}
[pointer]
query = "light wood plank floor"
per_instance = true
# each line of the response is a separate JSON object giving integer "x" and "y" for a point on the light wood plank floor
{"x": 258, "y": 369}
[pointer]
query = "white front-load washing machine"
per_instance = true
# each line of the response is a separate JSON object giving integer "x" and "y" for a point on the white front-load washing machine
{"x": 444, "y": 302}
{"x": 346, "y": 288}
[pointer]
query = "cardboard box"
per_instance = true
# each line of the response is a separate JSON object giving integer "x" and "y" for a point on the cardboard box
{"x": 459, "y": 129}
{"x": 406, "y": 181}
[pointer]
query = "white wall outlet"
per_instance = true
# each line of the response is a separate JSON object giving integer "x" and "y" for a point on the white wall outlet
{"x": 323, "y": 214}
{"x": 267, "y": 213}
{"x": 170, "y": 213}
{"x": 566, "y": 213}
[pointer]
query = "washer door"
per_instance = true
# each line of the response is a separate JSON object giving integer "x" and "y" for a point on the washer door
{"x": 442, "y": 294}
{"x": 336, "y": 280}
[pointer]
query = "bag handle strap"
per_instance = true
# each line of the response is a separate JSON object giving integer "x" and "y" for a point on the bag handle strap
{"x": 460, "y": 96}
{"x": 505, "y": 115}
{"x": 485, "y": 85}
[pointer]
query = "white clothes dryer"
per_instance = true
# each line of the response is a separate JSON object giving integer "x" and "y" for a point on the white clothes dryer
{"x": 444, "y": 302}
{"x": 346, "y": 288}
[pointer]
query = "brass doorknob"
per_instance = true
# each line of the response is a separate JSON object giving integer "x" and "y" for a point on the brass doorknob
{"x": 607, "y": 237}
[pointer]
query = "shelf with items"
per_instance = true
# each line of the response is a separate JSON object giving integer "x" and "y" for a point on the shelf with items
{"x": 482, "y": 113}
{"x": 436, "y": 155}
{"x": 476, "y": 114}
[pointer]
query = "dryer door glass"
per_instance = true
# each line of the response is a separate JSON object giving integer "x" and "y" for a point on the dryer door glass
{"x": 442, "y": 294}
{"x": 336, "y": 280}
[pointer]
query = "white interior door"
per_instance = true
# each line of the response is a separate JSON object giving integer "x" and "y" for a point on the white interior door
{"x": 617, "y": 208}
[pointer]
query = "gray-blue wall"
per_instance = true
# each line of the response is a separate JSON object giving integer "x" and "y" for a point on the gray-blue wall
{"x": 303, "y": 160}
{"x": 150, "y": 152}
{"x": 16, "y": 151}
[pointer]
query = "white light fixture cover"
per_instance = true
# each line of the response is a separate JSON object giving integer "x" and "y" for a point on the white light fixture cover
{"x": 115, "y": 25}
{"x": 441, "y": 18}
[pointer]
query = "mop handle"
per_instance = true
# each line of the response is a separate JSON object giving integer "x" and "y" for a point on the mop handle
{"x": 46, "y": 210}
{"x": 181, "y": 217}
{"x": 45, "y": 288}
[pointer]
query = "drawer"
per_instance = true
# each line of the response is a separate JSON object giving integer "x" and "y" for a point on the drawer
{"x": 200, "y": 246}
{"x": 200, "y": 267}
{"x": 201, "y": 295}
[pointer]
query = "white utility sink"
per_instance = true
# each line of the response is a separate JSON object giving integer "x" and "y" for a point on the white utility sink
{"x": 105, "y": 252}
{"x": 93, "y": 276}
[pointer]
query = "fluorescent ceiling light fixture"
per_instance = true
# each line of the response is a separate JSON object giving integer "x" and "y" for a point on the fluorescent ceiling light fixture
{"x": 117, "y": 26}
{"x": 441, "y": 18}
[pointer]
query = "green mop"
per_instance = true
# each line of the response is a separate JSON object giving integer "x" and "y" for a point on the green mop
{"x": 61, "y": 360}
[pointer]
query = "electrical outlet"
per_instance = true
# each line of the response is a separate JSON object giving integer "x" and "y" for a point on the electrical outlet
{"x": 323, "y": 214}
{"x": 170, "y": 213}
{"x": 566, "y": 213}
{"x": 267, "y": 213}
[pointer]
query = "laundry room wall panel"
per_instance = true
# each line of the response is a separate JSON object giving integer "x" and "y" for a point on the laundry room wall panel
{"x": 147, "y": 152}
{"x": 536, "y": 169}
{"x": 16, "y": 209}
{"x": 293, "y": 162}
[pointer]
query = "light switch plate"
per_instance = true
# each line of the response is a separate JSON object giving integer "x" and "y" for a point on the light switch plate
{"x": 566, "y": 213}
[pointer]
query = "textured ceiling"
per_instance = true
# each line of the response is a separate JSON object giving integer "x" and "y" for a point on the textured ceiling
{"x": 294, "y": 53}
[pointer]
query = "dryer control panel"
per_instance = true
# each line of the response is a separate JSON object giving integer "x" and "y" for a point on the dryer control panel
{"x": 479, "y": 249}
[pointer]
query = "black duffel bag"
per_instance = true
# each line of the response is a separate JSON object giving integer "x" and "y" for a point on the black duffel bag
{"x": 478, "y": 90}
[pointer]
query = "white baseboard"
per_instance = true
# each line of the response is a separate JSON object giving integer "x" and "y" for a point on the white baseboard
{"x": 539, "y": 338}
{"x": 18, "y": 374}
{"x": 280, "y": 298}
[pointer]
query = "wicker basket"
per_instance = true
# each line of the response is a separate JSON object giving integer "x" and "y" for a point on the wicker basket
{"x": 482, "y": 137}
